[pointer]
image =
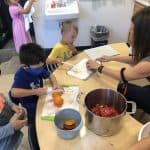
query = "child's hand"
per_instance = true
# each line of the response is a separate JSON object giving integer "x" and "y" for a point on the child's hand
{"x": 57, "y": 91}
{"x": 16, "y": 123}
{"x": 40, "y": 91}
{"x": 59, "y": 60}
{"x": 20, "y": 111}
{"x": 57, "y": 87}
{"x": 17, "y": 108}
{"x": 72, "y": 48}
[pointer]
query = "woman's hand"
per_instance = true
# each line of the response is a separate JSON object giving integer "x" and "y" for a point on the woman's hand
{"x": 104, "y": 58}
{"x": 92, "y": 65}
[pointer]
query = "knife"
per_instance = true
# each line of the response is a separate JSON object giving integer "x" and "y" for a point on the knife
{"x": 66, "y": 63}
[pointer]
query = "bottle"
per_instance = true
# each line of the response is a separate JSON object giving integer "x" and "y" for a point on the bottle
{"x": 53, "y": 4}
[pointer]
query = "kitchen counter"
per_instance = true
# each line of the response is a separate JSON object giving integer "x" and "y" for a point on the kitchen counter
{"x": 144, "y": 2}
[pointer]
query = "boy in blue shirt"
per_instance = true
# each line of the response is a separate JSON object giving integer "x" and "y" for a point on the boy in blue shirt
{"x": 28, "y": 84}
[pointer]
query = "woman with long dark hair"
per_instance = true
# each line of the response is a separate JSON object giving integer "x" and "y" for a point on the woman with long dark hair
{"x": 140, "y": 62}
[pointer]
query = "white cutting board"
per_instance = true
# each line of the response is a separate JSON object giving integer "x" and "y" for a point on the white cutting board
{"x": 100, "y": 51}
{"x": 80, "y": 70}
{"x": 70, "y": 101}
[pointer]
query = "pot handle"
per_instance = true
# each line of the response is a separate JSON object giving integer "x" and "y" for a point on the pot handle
{"x": 133, "y": 107}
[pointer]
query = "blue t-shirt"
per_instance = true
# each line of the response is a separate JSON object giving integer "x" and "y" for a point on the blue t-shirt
{"x": 24, "y": 80}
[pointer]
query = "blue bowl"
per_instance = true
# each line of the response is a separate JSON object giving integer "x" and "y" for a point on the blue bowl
{"x": 61, "y": 116}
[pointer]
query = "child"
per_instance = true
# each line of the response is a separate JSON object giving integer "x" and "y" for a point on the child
{"x": 20, "y": 35}
{"x": 28, "y": 84}
{"x": 10, "y": 124}
{"x": 64, "y": 49}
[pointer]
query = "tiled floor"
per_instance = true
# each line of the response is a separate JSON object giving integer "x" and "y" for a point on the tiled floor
{"x": 9, "y": 45}
{"x": 24, "y": 144}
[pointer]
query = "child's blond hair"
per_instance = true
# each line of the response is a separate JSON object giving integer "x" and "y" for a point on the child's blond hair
{"x": 68, "y": 25}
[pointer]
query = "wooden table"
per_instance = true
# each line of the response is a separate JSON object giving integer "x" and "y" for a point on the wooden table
{"x": 127, "y": 136}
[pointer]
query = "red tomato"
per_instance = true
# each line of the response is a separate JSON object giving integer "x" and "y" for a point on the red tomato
{"x": 104, "y": 111}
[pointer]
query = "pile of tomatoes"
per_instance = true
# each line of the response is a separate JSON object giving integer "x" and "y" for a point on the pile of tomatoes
{"x": 104, "y": 111}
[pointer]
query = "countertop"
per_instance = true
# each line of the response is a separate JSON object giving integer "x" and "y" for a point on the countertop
{"x": 144, "y": 2}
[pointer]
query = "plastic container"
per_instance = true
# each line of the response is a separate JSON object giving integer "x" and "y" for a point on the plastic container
{"x": 144, "y": 131}
{"x": 61, "y": 116}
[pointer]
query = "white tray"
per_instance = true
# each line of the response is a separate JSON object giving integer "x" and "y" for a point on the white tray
{"x": 80, "y": 71}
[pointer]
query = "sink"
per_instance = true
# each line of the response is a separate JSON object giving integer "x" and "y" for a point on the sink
{"x": 70, "y": 11}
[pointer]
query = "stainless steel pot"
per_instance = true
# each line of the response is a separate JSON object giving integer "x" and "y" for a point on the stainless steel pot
{"x": 105, "y": 126}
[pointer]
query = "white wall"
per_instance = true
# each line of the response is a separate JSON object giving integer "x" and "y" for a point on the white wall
{"x": 114, "y": 14}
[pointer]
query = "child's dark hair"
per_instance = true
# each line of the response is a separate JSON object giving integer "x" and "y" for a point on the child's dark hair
{"x": 31, "y": 54}
{"x": 67, "y": 25}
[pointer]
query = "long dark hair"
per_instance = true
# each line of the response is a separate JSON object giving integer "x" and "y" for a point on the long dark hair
{"x": 141, "y": 34}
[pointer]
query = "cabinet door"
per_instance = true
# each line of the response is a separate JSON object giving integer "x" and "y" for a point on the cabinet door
{"x": 137, "y": 7}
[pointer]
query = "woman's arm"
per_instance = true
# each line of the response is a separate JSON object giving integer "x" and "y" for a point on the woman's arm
{"x": 144, "y": 144}
{"x": 139, "y": 71}
{"x": 122, "y": 59}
